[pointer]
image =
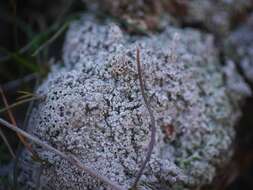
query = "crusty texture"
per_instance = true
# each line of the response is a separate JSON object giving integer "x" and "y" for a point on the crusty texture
{"x": 239, "y": 48}
{"x": 94, "y": 109}
{"x": 216, "y": 16}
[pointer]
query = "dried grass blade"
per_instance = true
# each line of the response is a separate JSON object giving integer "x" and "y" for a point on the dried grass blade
{"x": 13, "y": 121}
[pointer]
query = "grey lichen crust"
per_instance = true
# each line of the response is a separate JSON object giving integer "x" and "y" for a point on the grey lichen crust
{"x": 217, "y": 16}
{"x": 239, "y": 48}
{"x": 94, "y": 110}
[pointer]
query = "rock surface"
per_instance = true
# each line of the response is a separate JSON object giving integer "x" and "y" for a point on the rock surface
{"x": 216, "y": 16}
{"x": 94, "y": 109}
{"x": 239, "y": 48}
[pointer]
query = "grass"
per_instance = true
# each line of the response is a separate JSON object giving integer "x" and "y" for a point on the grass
{"x": 24, "y": 61}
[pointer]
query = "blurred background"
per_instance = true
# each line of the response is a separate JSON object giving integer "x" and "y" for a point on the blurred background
{"x": 32, "y": 35}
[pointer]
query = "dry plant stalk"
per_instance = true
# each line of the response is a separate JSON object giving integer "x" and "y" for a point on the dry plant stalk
{"x": 72, "y": 159}
{"x": 13, "y": 121}
{"x": 152, "y": 118}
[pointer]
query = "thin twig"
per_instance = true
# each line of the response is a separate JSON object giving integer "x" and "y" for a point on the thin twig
{"x": 13, "y": 121}
{"x": 7, "y": 144}
{"x": 152, "y": 118}
{"x": 20, "y": 102}
{"x": 72, "y": 159}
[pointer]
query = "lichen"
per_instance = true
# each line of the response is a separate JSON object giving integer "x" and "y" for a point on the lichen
{"x": 239, "y": 48}
{"x": 94, "y": 109}
{"x": 216, "y": 16}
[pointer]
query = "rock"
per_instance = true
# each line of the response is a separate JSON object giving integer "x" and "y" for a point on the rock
{"x": 136, "y": 16}
{"x": 216, "y": 16}
{"x": 94, "y": 110}
{"x": 239, "y": 48}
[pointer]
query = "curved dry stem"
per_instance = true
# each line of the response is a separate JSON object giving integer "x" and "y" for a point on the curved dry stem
{"x": 152, "y": 118}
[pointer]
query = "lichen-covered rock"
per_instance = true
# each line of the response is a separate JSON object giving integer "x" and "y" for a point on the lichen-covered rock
{"x": 239, "y": 48}
{"x": 136, "y": 15}
{"x": 215, "y": 15}
{"x": 94, "y": 109}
